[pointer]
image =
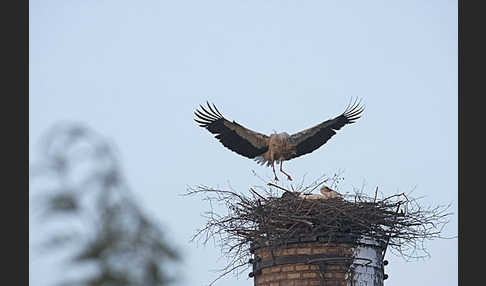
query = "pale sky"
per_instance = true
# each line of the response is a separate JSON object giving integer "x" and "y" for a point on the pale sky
{"x": 135, "y": 71}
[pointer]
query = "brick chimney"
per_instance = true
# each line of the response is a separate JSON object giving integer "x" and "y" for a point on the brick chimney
{"x": 312, "y": 261}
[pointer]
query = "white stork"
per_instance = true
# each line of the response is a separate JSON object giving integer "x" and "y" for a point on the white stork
{"x": 276, "y": 147}
{"x": 326, "y": 194}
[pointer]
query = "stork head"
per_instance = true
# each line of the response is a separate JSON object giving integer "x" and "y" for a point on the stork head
{"x": 324, "y": 190}
{"x": 283, "y": 135}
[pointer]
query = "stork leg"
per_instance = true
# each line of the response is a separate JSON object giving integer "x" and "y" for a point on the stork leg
{"x": 288, "y": 176}
{"x": 273, "y": 167}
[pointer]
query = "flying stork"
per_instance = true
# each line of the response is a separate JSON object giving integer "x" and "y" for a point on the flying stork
{"x": 275, "y": 147}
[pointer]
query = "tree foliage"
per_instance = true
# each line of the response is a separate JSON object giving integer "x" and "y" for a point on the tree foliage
{"x": 101, "y": 222}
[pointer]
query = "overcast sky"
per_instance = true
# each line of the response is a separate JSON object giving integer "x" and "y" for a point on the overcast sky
{"x": 135, "y": 71}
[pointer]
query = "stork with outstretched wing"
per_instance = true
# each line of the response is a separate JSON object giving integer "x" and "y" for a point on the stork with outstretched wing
{"x": 276, "y": 147}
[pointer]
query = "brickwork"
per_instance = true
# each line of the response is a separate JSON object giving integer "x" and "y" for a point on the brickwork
{"x": 308, "y": 273}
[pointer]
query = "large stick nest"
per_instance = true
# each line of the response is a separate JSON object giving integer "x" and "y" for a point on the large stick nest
{"x": 275, "y": 216}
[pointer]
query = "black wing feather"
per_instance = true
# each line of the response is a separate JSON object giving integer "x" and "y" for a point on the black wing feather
{"x": 310, "y": 139}
{"x": 231, "y": 134}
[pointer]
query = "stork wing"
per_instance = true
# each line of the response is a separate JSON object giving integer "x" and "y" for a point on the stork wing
{"x": 231, "y": 134}
{"x": 310, "y": 139}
